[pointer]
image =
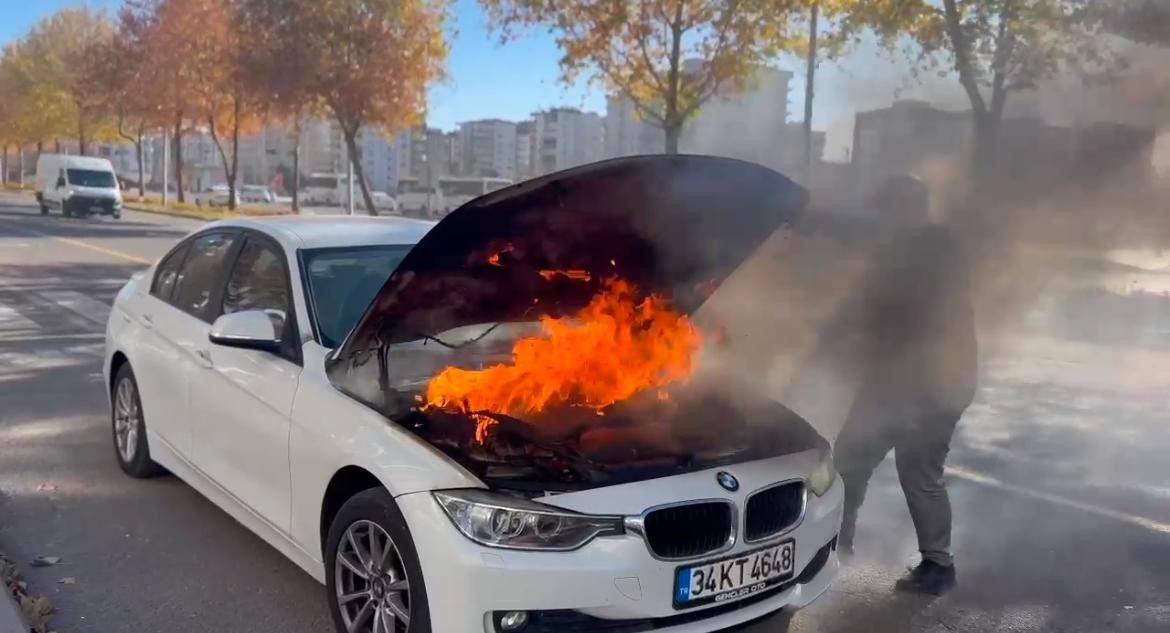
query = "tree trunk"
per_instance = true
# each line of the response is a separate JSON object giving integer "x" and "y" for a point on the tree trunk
{"x": 810, "y": 91}
{"x": 57, "y": 146}
{"x": 673, "y": 132}
{"x": 82, "y": 143}
{"x": 296, "y": 175}
{"x": 235, "y": 153}
{"x": 227, "y": 171}
{"x": 356, "y": 160}
{"x": 177, "y": 141}
{"x": 40, "y": 148}
{"x": 141, "y": 155}
{"x": 20, "y": 166}
{"x": 986, "y": 147}
{"x": 4, "y": 166}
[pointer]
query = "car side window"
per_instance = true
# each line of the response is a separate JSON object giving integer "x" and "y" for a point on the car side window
{"x": 259, "y": 281}
{"x": 167, "y": 273}
{"x": 201, "y": 274}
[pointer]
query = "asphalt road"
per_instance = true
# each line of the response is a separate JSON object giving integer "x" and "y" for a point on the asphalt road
{"x": 1061, "y": 480}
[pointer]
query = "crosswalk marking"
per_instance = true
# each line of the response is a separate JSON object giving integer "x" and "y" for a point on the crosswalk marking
{"x": 79, "y": 304}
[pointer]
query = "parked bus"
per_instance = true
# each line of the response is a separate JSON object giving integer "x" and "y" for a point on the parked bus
{"x": 328, "y": 190}
{"x": 459, "y": 191}
{"x": 448, "y": 193}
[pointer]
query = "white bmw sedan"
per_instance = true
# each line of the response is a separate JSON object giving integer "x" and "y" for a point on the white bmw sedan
{"x": 500, "y": 422}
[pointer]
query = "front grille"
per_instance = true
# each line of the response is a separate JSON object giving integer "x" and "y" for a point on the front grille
{"x": 774, "y": 510}
{"x": 688, "y": 530}
{"x": 83, "y": 204}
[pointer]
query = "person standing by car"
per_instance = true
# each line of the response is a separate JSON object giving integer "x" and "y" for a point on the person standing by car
{"x": 910, "y": 342}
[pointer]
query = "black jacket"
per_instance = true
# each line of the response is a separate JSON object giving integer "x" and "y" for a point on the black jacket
{"x": 909, "y": 332}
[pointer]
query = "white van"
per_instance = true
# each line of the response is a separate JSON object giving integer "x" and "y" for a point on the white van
{"x": 78, "y": 185}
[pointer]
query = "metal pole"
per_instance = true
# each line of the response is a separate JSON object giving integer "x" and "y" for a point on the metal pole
{"x": 810, "y": 92}
{"x": 166, "y": 165}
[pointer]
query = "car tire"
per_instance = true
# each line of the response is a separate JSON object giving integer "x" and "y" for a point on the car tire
{"x": 128, "y": 425}
{"x": 372, "y": 514}
{"x": 44, "y": 209}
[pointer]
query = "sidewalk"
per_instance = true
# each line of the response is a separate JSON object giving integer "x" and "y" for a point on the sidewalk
{"x": 10, "y": 618}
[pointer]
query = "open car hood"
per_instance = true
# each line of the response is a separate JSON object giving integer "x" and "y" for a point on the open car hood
{"x": 675, "y": 226}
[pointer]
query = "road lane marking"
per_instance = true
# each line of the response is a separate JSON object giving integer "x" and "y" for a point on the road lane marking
{"x": 100, "y": 249}
{"x": 11, "y": 319}
{"x": 79, "y": 304}
{"x": 38, "y": 338}
{"x": 1117, "y": 515}
{"x": 82, "y": 244}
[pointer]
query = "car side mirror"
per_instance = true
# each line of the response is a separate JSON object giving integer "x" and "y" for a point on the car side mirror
{"x": 60, "y": 182}
{"x": 248, "y": 329}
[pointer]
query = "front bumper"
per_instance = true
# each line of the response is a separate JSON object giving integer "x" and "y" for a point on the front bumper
{"x": 611, "y": 584}
{"x": 81, "y": 205}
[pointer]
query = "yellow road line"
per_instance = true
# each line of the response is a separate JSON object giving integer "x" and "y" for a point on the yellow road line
{"x": 100, "y": 249}
{"x": 82, "y": 244}
{"x": 1125, "y": 517}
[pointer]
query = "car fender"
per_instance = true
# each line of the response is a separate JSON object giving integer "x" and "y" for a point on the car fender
{"x": 330, "y": 431}
{"x": 121, "y": 326}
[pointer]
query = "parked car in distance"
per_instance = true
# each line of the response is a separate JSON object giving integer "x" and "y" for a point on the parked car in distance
{"x": 383, "y": 203}
{"x": 77, "y": 185}
{"x": 214, "y": 196}
{"x": 255, "y": 194}
{"x": 280, "y": 367}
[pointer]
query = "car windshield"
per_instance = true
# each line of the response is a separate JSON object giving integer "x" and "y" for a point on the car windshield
{"x": 91, "y": 178}
{"x": 343, "y": 281}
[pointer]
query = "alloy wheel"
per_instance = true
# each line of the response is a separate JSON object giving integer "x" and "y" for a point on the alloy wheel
{"x": 126, "y": 419}
{"x": 373, "y": 592}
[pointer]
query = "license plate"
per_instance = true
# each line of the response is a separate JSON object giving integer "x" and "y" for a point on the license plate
{"x": 734, "y": 577}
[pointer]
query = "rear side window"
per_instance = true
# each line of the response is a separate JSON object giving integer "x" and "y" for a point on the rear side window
{"x": 201, "y": 274}
{"x": 167, "y": 273}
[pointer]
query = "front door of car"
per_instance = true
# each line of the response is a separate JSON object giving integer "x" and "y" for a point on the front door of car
{"x": 174, "y": 321}
{"x": 241, "y": 404}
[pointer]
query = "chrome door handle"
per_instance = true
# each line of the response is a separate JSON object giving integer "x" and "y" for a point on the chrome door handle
{"x": 147, "y": 321}
{"x": 204, "y": 357}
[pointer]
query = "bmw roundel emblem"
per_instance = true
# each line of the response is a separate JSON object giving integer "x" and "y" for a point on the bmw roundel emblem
{"x": 727, "y": 481}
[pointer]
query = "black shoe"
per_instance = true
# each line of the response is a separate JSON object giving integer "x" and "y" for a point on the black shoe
{"x": 928, "y": 578}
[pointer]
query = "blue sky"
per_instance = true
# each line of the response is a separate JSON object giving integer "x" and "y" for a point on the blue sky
{"x": 510, "y": 81}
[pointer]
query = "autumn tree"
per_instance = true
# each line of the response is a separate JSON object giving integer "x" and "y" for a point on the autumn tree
{"x": 370, "y": 62}
{"x": 273, "y": 63}
{"x": 667, "y": 57}
{"x": 993, "y": 47}
{"x": 159, "y": 29}
{"x": 118, "y": 75}
{"x": 56, "y": 51}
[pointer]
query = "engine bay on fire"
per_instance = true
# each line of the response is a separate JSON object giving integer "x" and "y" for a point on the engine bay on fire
{"x": 680, "y": 426}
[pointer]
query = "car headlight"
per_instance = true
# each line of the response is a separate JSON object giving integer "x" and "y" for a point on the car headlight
{"x": 823, "y": 475}
{"x": 514, "y": 523}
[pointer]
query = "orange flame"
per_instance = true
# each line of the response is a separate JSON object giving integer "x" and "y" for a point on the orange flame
{"x": 494, "y": 258}
{"x": 609, "y": 351}
{"x": 576, "y": 275}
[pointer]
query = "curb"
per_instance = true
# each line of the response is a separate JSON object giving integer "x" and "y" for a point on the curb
{"x": 10, "y": 619}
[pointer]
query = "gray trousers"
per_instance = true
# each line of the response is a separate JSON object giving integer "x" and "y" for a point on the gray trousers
{"x": 920, "y": 436}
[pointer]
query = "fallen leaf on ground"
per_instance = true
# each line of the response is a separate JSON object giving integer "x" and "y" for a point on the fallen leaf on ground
{"x": 68, "y": 580}
{"x": 47, "y": 488}
{"x": 45, "y": 561}
{"x": 37, "y": 612}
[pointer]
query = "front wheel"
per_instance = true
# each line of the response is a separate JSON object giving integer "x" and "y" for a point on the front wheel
{"x": 129, "y": 427}
{"x": 372, "y": 571}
